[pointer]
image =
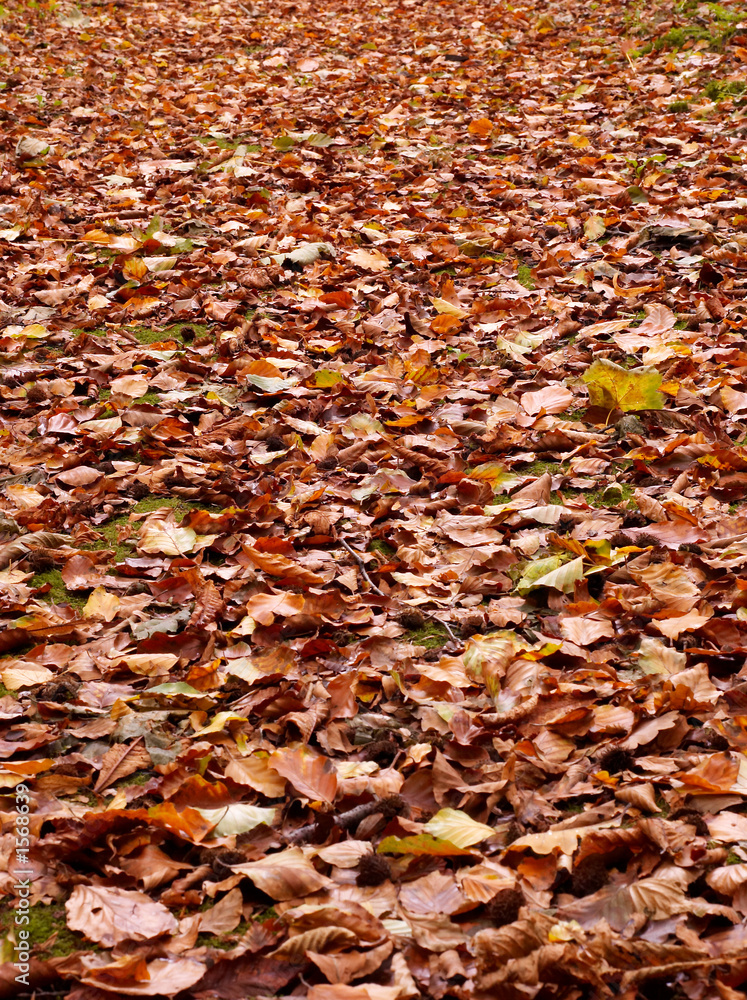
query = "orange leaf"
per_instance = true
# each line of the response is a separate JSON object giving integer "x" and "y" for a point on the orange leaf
{"x": 310, "y": 774}
{"x": 480, "y": 126}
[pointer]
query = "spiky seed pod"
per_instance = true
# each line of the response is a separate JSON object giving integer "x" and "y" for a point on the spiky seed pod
{"x": 504, "y": 907}
{"x": 36, "y": 394}
{"x": 373, "y": 869}
{"x": 382, "y": 751}
{"x": 513, "y": 832}
{"x": 620, "y": 539}
{"x": 691, "y": 547}
{"x": 615, "y": 759}
{"x": 634, "y": 519}
{"x": 395, "y": 805}
{"x": 694, "y": 818}
{"x": 40, "y": 562}
{"x": 412, "y": 619}
{"x": 139, "y": 490}
{"x": 589, "y": 876}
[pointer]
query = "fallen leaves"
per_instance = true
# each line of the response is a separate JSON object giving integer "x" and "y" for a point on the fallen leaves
{"x": 372, "y": 534}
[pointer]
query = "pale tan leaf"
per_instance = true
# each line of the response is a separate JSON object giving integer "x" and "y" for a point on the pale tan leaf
{"x": 585, "y": 631}
{"x": 433, "y": 893}
{"x": 24, "y": 497}
{"x": 24, "y": 673}
{"x": 728, "y": 879}
{"x": 133, "y": 386}
{"x": 728, "y": 827}
{"x": 612, "y": 719}
{"x": 284, "y": 875}
{"x": 151, "y": 866}
{"x": 264, "y": 607}
{"x": 150, "y": 664}
{"x": 670, "y": 585}
{"x": 224, "y": 916}
{"x": 641, "y": 796}
{"x": 369, "y": 260}
{"x": 351, "y": 965}
{"x": 346, "y": 854}
{"x": 552, "y": 399}
{"x": 109, "y": 916}
{"x": 237, "y": 817}
{"x": 321, "y": 940}
{"x": 339, "y": 991}
{"x": 255, "y": 771}
{"x": 673, "y": 628}
{"x": 436, "y": 933}
{"x": 168, "y": 539}
{"x": 160, "y": 977}
{"x": 310, "y": 774}
{"x": 656, "y": 658}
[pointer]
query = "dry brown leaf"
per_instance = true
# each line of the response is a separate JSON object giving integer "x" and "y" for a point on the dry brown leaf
{"x": 121, "y": 760}
{"x": 109, "y": 916}
{"x": 352, "y": 965}
{"x": 310, "y": 774}
{"x": 320, "y": 940}
{"x": 284, "y": 875}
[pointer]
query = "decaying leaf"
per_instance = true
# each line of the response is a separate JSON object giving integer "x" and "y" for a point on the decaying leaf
{"x": 612, "y": 387}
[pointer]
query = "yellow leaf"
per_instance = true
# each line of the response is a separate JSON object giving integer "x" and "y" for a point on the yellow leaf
{"x": 480, "y": 126}
{"x": 219, "y": 723}
{"x": 135, "y": 269}
{"x": 34, "y": 332}
{"x": 443, "y": 306}
{"x": 458, "y": 828}
{"x": 101, "y": 604}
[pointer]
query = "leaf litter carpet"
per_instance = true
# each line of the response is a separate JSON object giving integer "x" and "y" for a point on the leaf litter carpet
{"x": 373, "y": 533}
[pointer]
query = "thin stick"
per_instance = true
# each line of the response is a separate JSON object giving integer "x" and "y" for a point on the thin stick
{"x": 381, "y": 593}
{"x": 363, "y": 570}
{"x": 434, "y": 618}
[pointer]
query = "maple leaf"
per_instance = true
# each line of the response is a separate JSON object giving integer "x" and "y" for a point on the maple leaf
{"x": 613, "y": 387}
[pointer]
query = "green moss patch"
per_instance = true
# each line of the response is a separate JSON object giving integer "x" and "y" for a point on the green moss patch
{"x": 524, "y": 277}
{"x": 58, "y": 592}
{"x": 379, "y": 545}
{"x": 432, "y": 635}
{"x": 149, "y": 335}
{"x": 49, "y": 934}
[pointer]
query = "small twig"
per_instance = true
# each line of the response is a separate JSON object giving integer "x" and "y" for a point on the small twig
{"x": 363, "y": 570}
{"x": 376, "y": 590}
{"x": 429, "y": 614}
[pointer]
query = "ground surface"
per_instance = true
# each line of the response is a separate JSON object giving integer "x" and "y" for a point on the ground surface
{"x": 373, "y": 535}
